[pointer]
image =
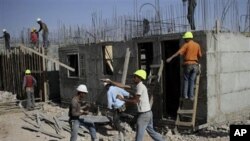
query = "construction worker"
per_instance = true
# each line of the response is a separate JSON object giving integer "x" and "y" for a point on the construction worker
{"x": 190, "y": 16}
{"x": 116, "y": 105}
{"x": 29, "y": 82}
{"x": 75, "y": 112}
{"x": 6, "y": 37}
{"x": 141, "y": 99}
{"x": 34, "y": 38}
{"x": 192, "y": 52}
{"x": 45, "y": 33}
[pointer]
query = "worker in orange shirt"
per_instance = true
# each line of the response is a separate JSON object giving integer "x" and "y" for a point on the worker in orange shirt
{"x": 192, "y": 53}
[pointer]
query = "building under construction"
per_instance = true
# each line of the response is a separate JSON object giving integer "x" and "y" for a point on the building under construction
{"x": 223, "y": 89}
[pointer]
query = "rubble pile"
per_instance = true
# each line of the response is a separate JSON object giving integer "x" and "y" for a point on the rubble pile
{"x": 219, "y": 132}
{"x": 8, "y": 102}
{"x": 53, "y": 121}
{"x": 7, "y": 97}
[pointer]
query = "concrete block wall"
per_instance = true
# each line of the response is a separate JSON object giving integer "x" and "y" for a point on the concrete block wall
{"x": 228, "y": 76}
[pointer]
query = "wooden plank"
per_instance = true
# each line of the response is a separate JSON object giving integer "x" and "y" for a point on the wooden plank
{"x": 196, "y": 97}
{"x": 160, "y": 70}
{"x": 125, "y": 66}
{"x": 38, "y": 121}
{"x": 185, "y": 111}
{"x": 151, "y": 100}
{"x": 44, "y": 132}
{"x": 57, "y": 123}
{"x": 44, "y": 78}
{"x": 182, "y": 123}
{"x": 47, "y": 57}
{"x": 30, "y": 122}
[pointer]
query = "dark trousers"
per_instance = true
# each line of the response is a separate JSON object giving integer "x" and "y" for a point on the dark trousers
{"x": 117, "y": 121}
{"x": 190, "y": 15}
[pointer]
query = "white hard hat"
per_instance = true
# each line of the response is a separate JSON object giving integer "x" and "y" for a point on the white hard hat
{"x": 4, "y": 30}
{"x": 38, "y": 19}
{"x": 82, "y": 88}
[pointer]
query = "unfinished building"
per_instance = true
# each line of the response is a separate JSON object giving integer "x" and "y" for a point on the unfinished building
{"x": 223, "y": 91}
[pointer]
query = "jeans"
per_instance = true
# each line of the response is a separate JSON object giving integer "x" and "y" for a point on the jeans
{"x": 190, "y": 72}
{"x": 30, "y": 97}
{"x": 145, "y": 122}
{"x": 74, "y": 124}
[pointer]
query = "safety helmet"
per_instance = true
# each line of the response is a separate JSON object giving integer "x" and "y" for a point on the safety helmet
{"x": 4, "y": 30}
{"x": 38, "y": 20}
{"x": 33, "y": 29}
{"x": 27, "y": 71}
{"x": 188, "y": 35}
{"x": 82, "y": 88}
{"x": 141, "y": 73}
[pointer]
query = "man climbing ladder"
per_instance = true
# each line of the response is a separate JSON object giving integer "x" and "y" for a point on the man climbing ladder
{"x": 192, "y": 52}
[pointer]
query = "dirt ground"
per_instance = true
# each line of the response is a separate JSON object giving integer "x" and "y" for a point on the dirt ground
{"x": 11, "y": 130}
{"x": 11, "y": 123}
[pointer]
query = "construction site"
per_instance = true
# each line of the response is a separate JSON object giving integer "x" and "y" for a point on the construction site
{"x": 114, "y": 49}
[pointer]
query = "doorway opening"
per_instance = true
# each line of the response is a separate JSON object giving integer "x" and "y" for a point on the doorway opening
{"x": 172, "y": 79}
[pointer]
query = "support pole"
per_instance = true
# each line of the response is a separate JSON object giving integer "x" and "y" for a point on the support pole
{"x": 125, "y": 67}
{"x": 44, "y": 77}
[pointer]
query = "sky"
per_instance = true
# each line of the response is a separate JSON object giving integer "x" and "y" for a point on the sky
{"x": 18, "y": 14}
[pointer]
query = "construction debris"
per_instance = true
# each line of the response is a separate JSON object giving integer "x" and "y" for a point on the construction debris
{"x": 51, "y": 123}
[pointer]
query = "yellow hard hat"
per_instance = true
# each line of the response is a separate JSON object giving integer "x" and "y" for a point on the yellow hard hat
{"x": 33, "y": 29}
{"x": 27, "y": 71}
{"x": 141, "y": 73}
{"x": 188, "y": 35}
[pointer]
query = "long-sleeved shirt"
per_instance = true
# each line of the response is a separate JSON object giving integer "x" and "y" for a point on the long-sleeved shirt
{"x": 112, "y": 93}
{"x": 6, "y": 37}
{"x": 43, "y": 27}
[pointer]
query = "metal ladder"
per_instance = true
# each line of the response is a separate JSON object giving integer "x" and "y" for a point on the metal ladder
{"x": 192, "y": 112}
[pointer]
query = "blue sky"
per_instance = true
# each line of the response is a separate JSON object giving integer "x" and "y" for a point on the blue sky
{"x": 15, "y": 14}
{"x": 18, "y": 14}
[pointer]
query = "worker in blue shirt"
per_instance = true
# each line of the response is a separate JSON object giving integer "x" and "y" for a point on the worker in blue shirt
{"x": 116, "y": 105}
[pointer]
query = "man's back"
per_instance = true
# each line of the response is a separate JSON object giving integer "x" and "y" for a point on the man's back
{"x": 112, "y": 94}
{"x": 7, "y": 37}
{"x": 191, "y": 51}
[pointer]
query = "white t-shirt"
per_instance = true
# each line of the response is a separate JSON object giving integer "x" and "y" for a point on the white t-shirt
{"x": 143, "y": 105}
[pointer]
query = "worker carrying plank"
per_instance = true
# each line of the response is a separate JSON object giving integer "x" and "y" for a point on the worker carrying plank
{"x": 141, "y": 99}
{"x": 192, "y": 53}
{"x": 75, "y": 112}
